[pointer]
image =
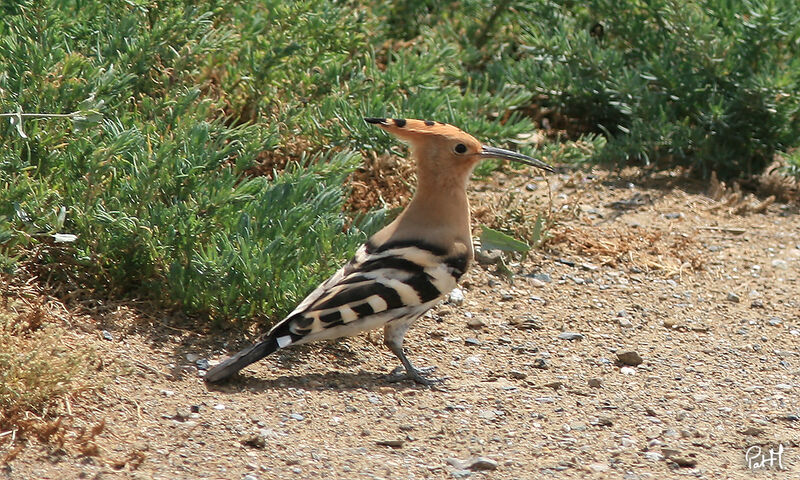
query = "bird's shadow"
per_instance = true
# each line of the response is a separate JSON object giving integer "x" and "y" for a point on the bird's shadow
{"x": 333, "y": 381}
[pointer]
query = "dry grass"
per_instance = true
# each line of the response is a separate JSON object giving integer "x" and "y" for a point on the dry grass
{"x": 649, "y": 250}
{"x": 383, "y": 181}
{"x": 41, "y": 369}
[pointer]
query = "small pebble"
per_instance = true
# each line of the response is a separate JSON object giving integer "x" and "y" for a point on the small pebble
{"x": 589, "y": 267}
{"x": 391, "y": 443}
{"x": 487, "y": 415}
{"x": 459, "y": 474}
{"x": 456, "y": 296}
{"x": 297, "y": 416}
{"x": 732, "y": 297}
{"x": 530, "y": 323}
{"x": 625, "y": 323}
{"x": 780, "y": 264}
{"x": 627, "y": 371}
{"x": 598, "y": 467}
{"x": 630, "y": 358}
{"x": 570, "y": 336}
{"x": 604, "y": 421}
{"x": 753, "y": 431}
{"x": 107, "y": 336}
{"x": 542, "y": 277}
{"x": 474, "y": 464}
{"x": 167, "y": 393}
{"x": 476, "y": 323}
{"x": 595, "y": 383}
{"x": 488, "y": 257}
{"x": 254, "y": 440}
{"x": 627, "y": 442}
{"x": 535, "y": 282}
{"x": 181, "y": 415}
{"x": 541, "y": 364}
{"x": 472, "y": 341}
{"x": 219, "y": 406}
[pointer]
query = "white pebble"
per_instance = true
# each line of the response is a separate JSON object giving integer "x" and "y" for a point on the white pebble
{"x": 456, "y": 296}
{"x": 653, "y": 456}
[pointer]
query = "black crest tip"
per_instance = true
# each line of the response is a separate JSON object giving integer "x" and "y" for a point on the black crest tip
{"x": 375, "y": 120}
{"x": 400, "y": 122}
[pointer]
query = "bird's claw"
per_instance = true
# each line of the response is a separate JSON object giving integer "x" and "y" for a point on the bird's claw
{"x": 416, "y": 374}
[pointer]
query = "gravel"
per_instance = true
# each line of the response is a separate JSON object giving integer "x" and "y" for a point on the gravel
{"x": 704, "y": 392}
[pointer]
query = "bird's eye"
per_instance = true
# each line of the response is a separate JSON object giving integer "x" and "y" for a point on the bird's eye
{"x": 460, "y": 148}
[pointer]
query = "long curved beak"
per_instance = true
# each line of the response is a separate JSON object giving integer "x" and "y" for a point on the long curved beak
{"x": 494, "y": 152}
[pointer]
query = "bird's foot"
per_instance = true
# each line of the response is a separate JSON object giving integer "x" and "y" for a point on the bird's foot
{"x": 416, "y": 374}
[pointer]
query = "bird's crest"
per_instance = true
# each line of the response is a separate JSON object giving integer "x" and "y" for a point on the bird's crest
{"x": 408, "y": 128}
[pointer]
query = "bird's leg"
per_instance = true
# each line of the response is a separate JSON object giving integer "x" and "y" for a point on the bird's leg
{"x": 393, "y": 334}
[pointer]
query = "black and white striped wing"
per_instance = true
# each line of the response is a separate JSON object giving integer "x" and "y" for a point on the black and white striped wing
{"x": 395, "y": 280}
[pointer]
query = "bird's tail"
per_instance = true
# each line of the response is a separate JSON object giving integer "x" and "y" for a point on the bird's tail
{"x": 242, "y": 359}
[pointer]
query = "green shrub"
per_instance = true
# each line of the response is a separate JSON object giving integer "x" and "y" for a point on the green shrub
{"x": 143, "y": 186}
{"x": 156, "y": 192}
{"x": 711, "y": 84}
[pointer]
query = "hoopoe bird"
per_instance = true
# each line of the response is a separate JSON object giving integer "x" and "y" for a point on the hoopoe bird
{"x": 407, "y": 267}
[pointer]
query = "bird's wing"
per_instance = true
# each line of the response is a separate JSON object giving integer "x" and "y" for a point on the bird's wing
{"x": 396, "y": 278}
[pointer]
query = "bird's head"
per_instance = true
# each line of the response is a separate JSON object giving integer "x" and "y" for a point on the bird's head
{"x": 441, "y": 148}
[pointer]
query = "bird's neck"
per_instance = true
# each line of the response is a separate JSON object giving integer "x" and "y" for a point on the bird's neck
{"x": 441, "y": 201}
{"x": 438, "y": 214}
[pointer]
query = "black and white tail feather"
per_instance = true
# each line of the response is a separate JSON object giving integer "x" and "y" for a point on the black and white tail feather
{"x": 390, "y": 285}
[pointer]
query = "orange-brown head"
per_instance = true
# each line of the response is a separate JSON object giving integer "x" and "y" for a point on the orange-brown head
{"x": 440, "y": 148}
{"x": 445, "y": 156}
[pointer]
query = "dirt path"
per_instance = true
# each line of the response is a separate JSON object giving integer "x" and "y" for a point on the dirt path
{"x": 706, "y": 297}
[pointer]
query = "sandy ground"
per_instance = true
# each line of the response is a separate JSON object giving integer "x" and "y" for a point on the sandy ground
{"x": 702, "y": 288}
